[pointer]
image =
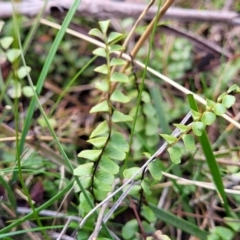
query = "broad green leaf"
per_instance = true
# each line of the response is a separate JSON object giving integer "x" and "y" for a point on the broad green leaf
{"x": 92, "y": 155}
{"x": 102, "y": 85}
{"x": 232, "y": 224}
{"x": 119, "y": 142}
{"x": 98, "y": 142}
{"x": 102, "y": 69}
{"x": 28, "y": 91}
{"x": 181, "y": 127}
{"x": 196, "y": 115}
{"x": 101, "y": 129}
{"x": 228, "y": 101}
{"x": 114, "y": 36}
{"x": 100, "y": 107}
{"x": 208, "y": 118}
{"x": 189, "y": 142}
{"x": 98, "y": 185}
{"x": 198, "y": 128}
{"x": 234, "y": 88}
{"x": 155, "y": 169}
{"x": 6, "y": 42}
{"x": 100, "y": 194}
{"x": 86, "y": 182}
{"x": 108, "y": 165}
{"x": 148, "y": 109}
{"x": 22, "y": 72}
{"x": 219, "y": 99}
{"x": 84, "y": 205}
{"x": 119, "y": 77}
{"x": 128, "y": 173}
{"x": 219, "y": 109}
{"x": 15, "y": 91}
{"x": 169, "y": 139}
{"x": 13, "y": 54}
{"x": 175, "y": 154}
{"x": 117, "y": 62}
{"x": 118, "y": 96}
{"x": 104, "y": 26}
{"x": 116, "y": 47}
{"x": 96, "y": 33}
{"x": 100, "y": 52}
{"x": 146, "y": 187}
{"x": 104, "y": 177}
{"x": 120, "y": 117}
{"x": 224, "y": 233}
{"x": 148, "y": 214}
{"x": 210, "y": 104}
{"x": 130, "y": 229}
{"x": 114, "y": 153}
{"x": 83, "y": 169}
{"x": 147, "y": 155}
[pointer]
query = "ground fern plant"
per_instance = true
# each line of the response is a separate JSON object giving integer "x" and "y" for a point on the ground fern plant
{"x": 109, "y": 145}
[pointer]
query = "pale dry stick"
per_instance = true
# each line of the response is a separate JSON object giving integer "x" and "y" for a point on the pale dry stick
{"x": 141, "y": 65}
{"x": 132, "y": 30}
{"x": 64, "y": 229}
{"x": 199, "y": 184}
{"x": 175, "y": 133}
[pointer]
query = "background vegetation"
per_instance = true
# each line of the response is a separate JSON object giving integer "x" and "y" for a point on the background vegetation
{"x": 75, "y": 126}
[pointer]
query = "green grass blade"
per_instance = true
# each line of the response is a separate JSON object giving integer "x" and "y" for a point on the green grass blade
{"x": 177, "y": 222}
{"x": 211, "y": 161}
{"x": 157, "y": 98}
{"x": 45, "y": 70}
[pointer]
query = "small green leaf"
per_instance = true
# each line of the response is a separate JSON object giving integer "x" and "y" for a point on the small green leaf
{"x": 83, "y": 170}
{"x": 86, "y": 182}
{"x": 120, "y": 117}
{"x": 219, "y": 109}
{"x": 96, "y": 33}
{"x": 148, "y": 213}
{"x": 115, "y": 48}
{"x": 114, "y": 153}
{"x": 128, "y": 173}
{"x": 114, "y": 36}
{"x": 28, "y": 91}
{"x": 224, "y": 233}
{"x": 130, "y": 229}
{"x": 100, "y": 52}
{"x": 108, "y": 165}
{"x": 104, "y": 177}
{"x": 155, "y": 169}
{"x": 101, "y": 186}
{"x": 196, "y": 115}
{"x": 181, "y": 127}
{"x": 104, "y": 26}
{"x": 169, "y": 139}
{"x": 210, "y": 104}
{"x": 119, "y": 77}
{"x": 119, "y": 142}
{"x": 189, "y": 142}
{"x": 118, "y": 96}
{"x": 13, "y": 54}
{"x": 117, "y": 62}
{"x": 208, "y": 118}
{"x": 22, "y": 72}
{"x": 92, "y": 155}
{"x": 102, "y": 85}
{"x": 232, "y": 224}
{"x": 84, "y": 205}
{"x": 175, "y": 154}
{"x": 6, "y": 42}
{"x": 228, "y": 101}
{"x": 147, "y": 154}
{"x": 98, "y": 142}
{"x": 198, "y": 128}
{"x": 234, "y": 88}
{"x": 146, "y": 187}
{"x": 102, "y": 69}
{"x": 15, "y": 90}
{"x": 101, "y": 129}
{"x": 99, "y": 194}
{"x": 219, "y": 99}
{"x": 100, "y": 107}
